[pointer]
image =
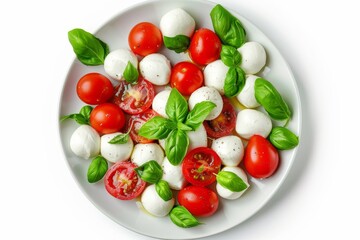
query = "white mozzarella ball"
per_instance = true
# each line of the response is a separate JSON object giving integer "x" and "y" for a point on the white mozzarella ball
{"x": 250, "y": 122}
{"x": 253, "y": 57}
{"x": 247, "y": 95}
{"x": 215, "y": 74}
{"x": 230, "y": 149}
{"x": 115, "y": 152}
{"x": 207, "y": 94}
{"x": 85, "y": 142}
{"x": 226, "y": 193}
{"x": 177, "y": 22}
{"x": 156, "y": 69}
{"x": 144, "y": 152}
{"x": 154, "y": 204}
{"x": 159, "y": 102}
{"x": 173, "y": 175}
{"x": 116, "y": 61}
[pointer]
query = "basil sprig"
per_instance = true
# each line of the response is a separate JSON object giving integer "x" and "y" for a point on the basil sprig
{"x": 181, "y": 217}
{"x": 231, "y": 181}
{"x": 163, "y": 190}
{"x": 97, "y": 169}
{"x": 283, "y": 139}
{"x": 83, "y": 117}
{"x": 179, "y": 43}
{"x": 234, "y": 81}
{"x": 157, "y": 128}
{"x": 150, "y": 171}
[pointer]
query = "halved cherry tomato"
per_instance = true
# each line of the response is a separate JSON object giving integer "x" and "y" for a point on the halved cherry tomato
{"x": 186, "y": 77}
{"x": 136, "y": 121}
{"x": 107, "y": 118}
{"x": 200, "y": 166}
{"x": 224, "y": 124}
{"x": 122, "y": 182}
{"x": 145, "y": 38}
{"x": 261, "y": 157}
{"x": 134, "y": 98}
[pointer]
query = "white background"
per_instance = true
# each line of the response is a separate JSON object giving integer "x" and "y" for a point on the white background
{"x": 319, "y": 200}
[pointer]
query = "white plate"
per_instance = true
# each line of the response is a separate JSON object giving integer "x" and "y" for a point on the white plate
{"x": 126, "y": 213}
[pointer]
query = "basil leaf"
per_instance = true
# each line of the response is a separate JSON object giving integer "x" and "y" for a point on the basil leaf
{"x": 150, "y": 171}
{"x": 198, "y": 114}
{"x": 89, "y": 49}
{"x": 231, "y": 181}
{"x": 181, "y": 217}
{"x": 97, "y": 169}
{"x": 179, "y": 43}
{"x": 227, "y": 27}
{"x": 183, "y": 127}
{"x": 163, "y": 189}
{"x": 85, "y": 111}
{"x": 234, "y": 81}
{"x": 230, "y": 56}
{"x": 176, "y": 107}
{"x": 271, "y": 100}
{"x": 120, "y": 139}
{"x": 83, "y": 117}
{"x": 157, "y": 128}
{"x": 176, "y": 145}
{"x": 283, "y": 139}
{"x": 131, "y": 73}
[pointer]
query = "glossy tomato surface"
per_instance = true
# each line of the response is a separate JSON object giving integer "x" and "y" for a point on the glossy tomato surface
{"x": 145, "y": 38}
{"x": 186, "y": 77}
{"x": 107, "y": 118}
{"x": 135, "y": 122}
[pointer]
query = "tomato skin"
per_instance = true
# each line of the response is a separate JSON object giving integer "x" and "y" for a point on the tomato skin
{"x": 94, "y": 88}
{"x": 199, "y": 201}
{"x": 186, "y": 77}
{"x": 136, "y": 121}
{"x": 205, "y": 47}
{"x": 145, "y": 38}
{"x": 107, "y": 118}
{"x": 261, "y": 157}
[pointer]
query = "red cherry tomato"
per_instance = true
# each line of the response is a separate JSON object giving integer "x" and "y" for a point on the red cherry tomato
{"x": 261, "y": 157}
{"x": 122, "y": 182}
{"x": 134, "y": 98}
{"x": 107, "y": 118}
{"x": 136, "y": 121}
{"x": 205, "y": 47}
{"x": 145, "y": 38}
{"x": 199, "y": 201}
{"x": 186, "y": 77}
{"x": 200, "y": 166}
{"x": 94, "y": 88}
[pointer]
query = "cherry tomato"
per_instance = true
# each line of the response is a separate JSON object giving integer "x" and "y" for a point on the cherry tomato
{"x": 186, "y": 77}
{"x": 205, "y": 47}
{"x": 200, "y": 166}
{"x": 145, "y": 38}
{"x": 224, "y": 124}
{"x": 107, "y": 118}
{"x": 134, "y": 98}
{"x": 94, "y": 88}
{"x": 261, "y": 157}
{"x": 122, "y": 182}
{"x": 136, "y": 121}
{"x": 199, "y": 201}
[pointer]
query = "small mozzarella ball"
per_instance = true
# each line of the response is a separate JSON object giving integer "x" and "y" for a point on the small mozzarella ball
{"x": 85, "y": 142}
{"x": 230, "y": 149}
{"x": 247, "y": 95}
{"x": 250, "y": 122}
{"x": 159, "y": 102}
{"x": 253, "y": 57}
{"x": 215, "y": 74}
{"x": 154, "y": 204}
{"x": 115, "y": 152}
{"x": 144, "y": 152}
{"x": 116, "y": 61}
{"x": 173, "y": 175}
{"x": 177, "y": 22}
{"x": 226, "y": 193}
{"x": 156, "y": 69}
{"x": 207, "y": 94}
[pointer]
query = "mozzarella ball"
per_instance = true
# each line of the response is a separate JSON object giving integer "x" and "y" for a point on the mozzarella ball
{"x": 144, "y": 152}
{"x": 154, "y": 204}
{"x": 156, "y": 69}
{"x": 177, "y": 22}
{"x": 226, "y": 193}
{"x": 159, "y": 102}
{"x": 215, "y": 74}
{"x": 247, "y": 95}
{"x": 207, "y": 94}
{"x": 230, "y": 149}
{"x": 253, "y": 57}
{"x": 250, "y": 122}
{"x": 115, "y": 152}
{"x": 116, "y": 61}
{"x": 173, "y": 175}
{"x": 85, "y": 142}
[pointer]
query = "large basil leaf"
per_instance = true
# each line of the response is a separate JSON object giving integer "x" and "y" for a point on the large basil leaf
{"x": 150, "y": 171}
{"x": 163, "y": 189}
{"x": 231, "y": 181}
{"x": 157, "y": 128}
{"x": 234, "y": 81}
{"x": 176, "y": 107}
{"x": 198, "y": 114}
{"x": 179, "y": 43}
{"x": 97, "y": 169}
{"x": 180, "y": 216}
{"x": 283, "y": 139}
{"x": 230, "y": 56}
{"x": 176, "y": 145}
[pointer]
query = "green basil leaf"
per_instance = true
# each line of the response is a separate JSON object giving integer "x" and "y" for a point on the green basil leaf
{"x": 227, "y": 27}
{"x": 163, "y": 189}
{"x": 176, "y": 107}
{"x": 271, "y": 100}
{"x": 179, "y": 43}
{"x": 120, "y": 139}
{"x": 283, "y": 139}
{"x": 198, "y": 114}
{"x": 131, "y": 73}
{"x": 89, "y": 49}
{"x": 176, "y": 145}
{"x": 234, "y": 81}
{"x": 157, "y": 128}
{"x": 181, "y": 217}
{"x": 184, "y": 127}
{"x": 83, "y": 117}
{"x": 86, "y": 111}
{"x": 231, "y": 181}
{"x": 230, "y": 56}
{"x": 150, "y": 171}
{"x": 97, "y": 169}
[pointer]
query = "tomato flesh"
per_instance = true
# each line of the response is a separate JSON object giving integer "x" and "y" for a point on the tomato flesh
{"x": 107, "y": 118}
{"x": 135, "y": 122}
{"x": 145, "y": 38}
{"x": 186, "y": 77}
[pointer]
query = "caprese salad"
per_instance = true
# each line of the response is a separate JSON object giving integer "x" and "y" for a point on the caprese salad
{"x": 179, "y": 137}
